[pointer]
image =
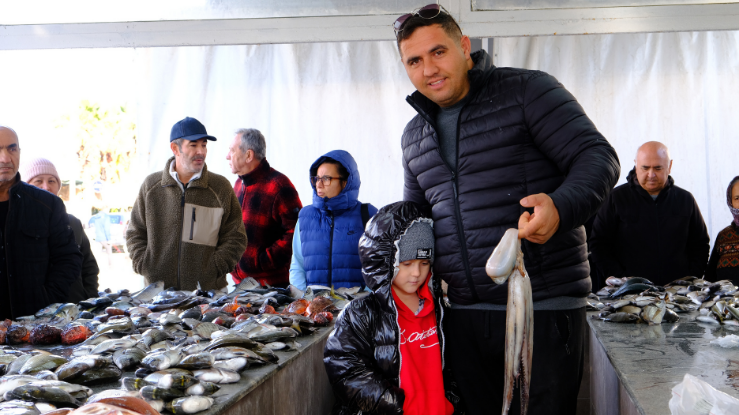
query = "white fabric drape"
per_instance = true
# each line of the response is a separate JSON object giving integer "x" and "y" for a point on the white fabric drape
{"x": 677, "y": 88}
{"x": 306, "y": 99}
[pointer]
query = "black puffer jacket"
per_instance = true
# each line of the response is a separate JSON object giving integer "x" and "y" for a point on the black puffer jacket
{"x": 520, "y": 133}
{"x": 663, "y": 239}
{"x": 42, "y": 256}
{"x": 362, "y": 354}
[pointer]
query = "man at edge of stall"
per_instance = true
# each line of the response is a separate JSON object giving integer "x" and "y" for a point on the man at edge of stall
{"x": 39, "y": 258}
{"x": 492, "y": 149}
{"x": 648, "y": 227}
{"x": 270, "y": 206}
{"x": 185, "y": 225}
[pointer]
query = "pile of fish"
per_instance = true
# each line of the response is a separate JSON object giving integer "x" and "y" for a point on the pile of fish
{"x": 168, "y": 349}
{"x": 506, "y": 264}
{"x": 638, "y": 300}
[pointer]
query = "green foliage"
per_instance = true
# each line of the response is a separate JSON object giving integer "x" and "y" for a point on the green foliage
{"x": 107, "y": 140}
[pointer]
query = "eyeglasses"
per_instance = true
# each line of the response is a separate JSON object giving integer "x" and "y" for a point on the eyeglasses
{"x": 326, "y": 180}
{"x": 427, "y": 12}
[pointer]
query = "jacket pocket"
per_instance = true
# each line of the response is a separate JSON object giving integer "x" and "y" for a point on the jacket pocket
{"x": 35, "y": 244}
{"x": 200, "y": 224}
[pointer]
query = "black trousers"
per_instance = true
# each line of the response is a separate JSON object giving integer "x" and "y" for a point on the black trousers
{"x": 475, "y": 354}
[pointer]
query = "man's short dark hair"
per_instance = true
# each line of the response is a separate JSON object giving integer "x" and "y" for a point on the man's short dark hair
{"x": 444, "y": 19}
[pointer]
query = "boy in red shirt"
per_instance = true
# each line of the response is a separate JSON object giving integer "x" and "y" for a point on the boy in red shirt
{"x": 385, "y": 355}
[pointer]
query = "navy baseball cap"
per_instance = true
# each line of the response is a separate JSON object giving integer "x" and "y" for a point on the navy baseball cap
{"x": 189, "y": 129}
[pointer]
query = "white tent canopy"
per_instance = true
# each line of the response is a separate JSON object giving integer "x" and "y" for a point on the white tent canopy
{"x": 309, "y": 98}
{"x": 45, "y": 24}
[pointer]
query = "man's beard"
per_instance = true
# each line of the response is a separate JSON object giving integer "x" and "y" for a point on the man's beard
{"x": 11, "y": 177}
{"x": 190, "y": 165}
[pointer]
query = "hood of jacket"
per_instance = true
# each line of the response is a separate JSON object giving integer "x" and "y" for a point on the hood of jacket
{"x": 349, "y": 195}
{"x": 633, "y": 181}
{"x": 483, "y": 67}
{"x": 378, "y": 248}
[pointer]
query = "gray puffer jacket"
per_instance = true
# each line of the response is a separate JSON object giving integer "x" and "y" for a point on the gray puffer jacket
{"x": 520, "y": 133}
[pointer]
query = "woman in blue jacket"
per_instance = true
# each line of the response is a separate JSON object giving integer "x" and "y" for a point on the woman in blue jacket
{"x": 326, "y": 240}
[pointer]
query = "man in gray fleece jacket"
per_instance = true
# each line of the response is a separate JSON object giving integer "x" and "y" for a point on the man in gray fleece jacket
{"x": 186, "y": 223}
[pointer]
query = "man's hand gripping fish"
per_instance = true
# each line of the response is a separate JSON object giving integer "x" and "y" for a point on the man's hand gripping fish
{"x": 506, "y": 263}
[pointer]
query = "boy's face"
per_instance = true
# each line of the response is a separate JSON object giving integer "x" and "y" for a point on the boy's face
{"x": 411, "y": 274}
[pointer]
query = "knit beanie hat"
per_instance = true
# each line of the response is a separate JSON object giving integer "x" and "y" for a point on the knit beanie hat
{"x": 36, "y": 167}
{"x": 417, "y": 242}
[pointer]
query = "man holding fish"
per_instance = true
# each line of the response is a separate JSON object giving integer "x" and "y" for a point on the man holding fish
{"x": 491, "y": 149}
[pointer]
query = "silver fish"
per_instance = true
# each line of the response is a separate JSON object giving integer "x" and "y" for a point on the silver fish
{"x": 78, "y": 365}
{"x": 112, "y": 345}
{"x": 217, "y": 375}
{"x": 202, "y": 360}
{"x": 146, "y": 294}
{"x": 128, "y": 358}
{"x": 50, "y": 394}
{"x": 707, "y": 319}
{"x": 8, "y": 383}
{"x": 236, "y": 364}
{"x": 157, "y": 404}
{"x": 202, "y": 388}
{"x": 169, "y": 318}
{"x": 248, "y": 283}
{"x": 630, "y": 309}
{"x": 176, "y": 381}
{"x": 190, "y": 404}
{"x": 46, "y": 375}
{"x": 19, "y": 407}
{"x": 268, "y": 336}
{"x": 48, "y": 311}
{"x": 65, "y": 313}
{"x": 42, "y": 362}
{"x": 78, "y": 391}
{"x": 653, "y": 314}
{"x": 614, "y": 281}
{"x": 276, "y": 346}
{"x": 162, "y": 360}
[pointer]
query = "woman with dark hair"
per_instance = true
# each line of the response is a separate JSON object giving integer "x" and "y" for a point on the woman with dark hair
{"x": 326, "y": 239}
{"x": 724, "y": 261}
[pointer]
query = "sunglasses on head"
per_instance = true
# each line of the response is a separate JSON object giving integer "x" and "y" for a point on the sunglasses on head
{"x": 426, "y": 12}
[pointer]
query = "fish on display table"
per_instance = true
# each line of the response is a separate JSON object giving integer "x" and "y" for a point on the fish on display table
{"x": 180, "y": 344}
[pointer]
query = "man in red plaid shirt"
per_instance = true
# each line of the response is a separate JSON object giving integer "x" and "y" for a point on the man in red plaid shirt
{"x": 269, "y": 208}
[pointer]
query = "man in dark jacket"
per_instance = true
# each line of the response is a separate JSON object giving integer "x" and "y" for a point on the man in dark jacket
{"x": 488, "y": 144}
{"x": 648, "y": 227}
{"x": 269, "y": 208}
{"x": 39, "y": 259}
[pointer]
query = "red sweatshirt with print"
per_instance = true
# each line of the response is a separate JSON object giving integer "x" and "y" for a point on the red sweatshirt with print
{"x": 420, "y": 368}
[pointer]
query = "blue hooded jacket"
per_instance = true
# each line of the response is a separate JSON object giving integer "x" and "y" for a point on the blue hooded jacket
{"x": 328, "y": 232}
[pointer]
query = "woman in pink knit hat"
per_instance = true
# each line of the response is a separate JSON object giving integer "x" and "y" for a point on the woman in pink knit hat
{"x": 41, "y": 173}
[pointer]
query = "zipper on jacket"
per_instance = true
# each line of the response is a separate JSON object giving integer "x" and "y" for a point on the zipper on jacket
{"x": 462, "y": 241}
{"x": 179, "y": 251}
{"x": 458, "y": 212}
{"x": 192, "y": 223}
{"x": 330, "y": 248}
{"x": 455, "y": 185}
